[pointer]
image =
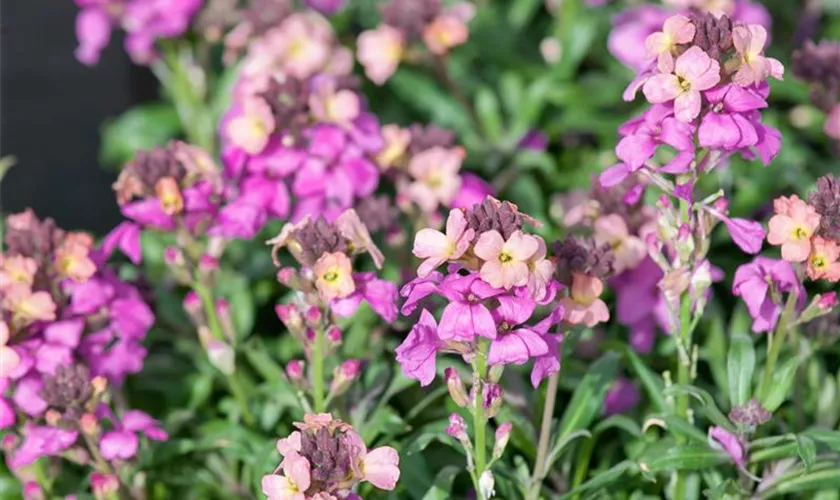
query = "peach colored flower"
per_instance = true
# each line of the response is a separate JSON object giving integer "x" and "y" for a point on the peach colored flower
{"x": 437, "y": 248}
{"x": 9, "y": 358}
{"x": 334, "y": 276}
{"x": 251, "y": 129}
{"x": 505, "y": 262}
{"x": 792, "y": 228}
{"x": 629, "y": 250}
{"x": 677, "y": 29}
{"x": 380, "y": 52}
{"x": 72, "y": 257}
{"x": 293, "y": 484}
{"x": 694, "y": 72}
{"x": 749, "y": 43}
{"x": 823, "y": 261}
{"x": 444, "y": 33}
{"x": 27, "y": 306}
{"x": 584, "y": 305}
{"x": 169, "y": 194}
{"x": 436, "y": 177}
{"x": 396, "y": 140}
{"x": 16, "y": 269}
{"x": 540, "y": 271}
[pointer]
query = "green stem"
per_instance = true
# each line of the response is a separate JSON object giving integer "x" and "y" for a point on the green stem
{"x": 209, "y": 305}
{"x": 317, "y": 373}
{"x": 539, "y": 471}
{"x": 583, "y": 462}
{"x": 777, "y": 339}
{"x": 241, "y": 399}
{"x": 683, "y": 378}
{"x": 479, "y": 419}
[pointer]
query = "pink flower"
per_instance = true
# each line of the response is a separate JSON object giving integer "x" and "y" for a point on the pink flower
{"x": 334, "y": 276}
{"x": 436, "y": 173}
{"x": 396, "y": 140}
{"x": 252, "y": 127}
{"x": 792, "y": 228}
{"x": 72, "y": 259}
{"x": 755, "y": 282}
{"x": 93, "y": 30}
{"x": 540, "y": 272}
{"x": 721, "y": 439}
{"x": 516, "y": 343}
{"x": 466, "y": 315}
{"x": 444, "y": 33}
{"x": 437, "y": 248}
{"x": 41, "y": 441}
{"x": 329, "y": 105}
{"x": 305, "y": 40}
{"x": 629, "y": 250}
{"x": 416, "y": 355}
{"x": 27, "y": 307}
{"x": 473, "y": 191}
{"x": 126, "y": 237}
{"x": 293, "y": 484}
{"x": 823, "y": 261}
{"x": 694, "y": 72}
{"x": 381, "y": 467}
{"x": 749, "y": 41}
{"x": 584, "y": 306}
{"x": 380, "y": 52}
{"x": 9, "y": 358}
{"x": 505, "y": 262}
{"x": 16, "y": 269}
{"x": 832, "y": 123}
{"x": 678, "y": 29}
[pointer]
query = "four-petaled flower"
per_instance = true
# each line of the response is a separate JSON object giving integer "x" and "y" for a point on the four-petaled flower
{"x": 694, "y": 72}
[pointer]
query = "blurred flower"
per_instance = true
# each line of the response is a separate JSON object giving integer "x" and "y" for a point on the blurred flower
{"x": 380, "y": 51}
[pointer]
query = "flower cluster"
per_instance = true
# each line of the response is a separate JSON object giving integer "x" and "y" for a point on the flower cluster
{"x": 324, "y": 459}
{"x": 297, "y": 128}
{"x": 498, "y": 275}
{"x": 819, "y": 65}
{"x": 70, "y": 329}
{"x": 404, "y": 22}
{"x": 809, "y": 231}
{"x": 707, "y": 88}
{"x": 144, "y": 22}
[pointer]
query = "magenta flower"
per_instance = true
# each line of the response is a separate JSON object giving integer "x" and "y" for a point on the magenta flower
{"x": 126, "y": 237}
{"x": 730, "y": 124}
{"x": 380, "y": 294}
{"x": 417, "y": 353}
{"x": 466, "y": 315}
{"x": 622, "y": 397}
{"x": 721, "y": 439}
{"x": 473, "y": 191}
{"x": 694, "y": 72}
{"x": 418, "y": 289}
{"x": 122, "y": 442}
{"x": 41, "y": 441}
{"x": 438, "y": 248}
{"x": 752, "y": 283}
{"x": 515, "y": 343}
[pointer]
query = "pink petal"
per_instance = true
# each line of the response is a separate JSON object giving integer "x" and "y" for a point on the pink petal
{"x": 661, "y": 88}
{"x": 381, "y": 467}
{"x": 489, "y": 245}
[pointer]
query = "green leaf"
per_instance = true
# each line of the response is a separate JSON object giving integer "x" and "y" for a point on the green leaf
{"x": 651, "y": 381}
{"x": 681, "y": 457}
{"x": 422, "y": 92}
{"x": 602, "y": 480}
{"x": 726, "y": 490}
{"x": 807, "y": 450}
{"x": 435, "y": 431}
{"x": 826, "y": 437}
{"x": 710, "y": 408}
{"x": 780, "y": 385}
{"x": 141, "y": 127}
{"x": 622, "y": 422}
{"x": 740, "y": 363}
{"x": 489, "y": 115}
{"x": 561, "y": 445}
{"x": 442, "y": 488}
{"x": 527, "y": 193}
{"x": 521, "y": 11}
{"x": 796, "y": 482}
{"x": 676, "y": 426}
{"x": 588, "y": 398}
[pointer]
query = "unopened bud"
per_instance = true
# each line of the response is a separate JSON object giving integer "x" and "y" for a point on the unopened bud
{"x": 290, "y": 316}
{"x": 32, "y": 491}
{"x": 494, "y": 374}
{"x": 313, "y": 317}
{"x": 192, "y": 306}
{"x": 820, "y": 305}
{"x": 457, "y": 428}
{"x": 52, "y": 417}
{"x": 288, "y": 277}
{"x": 701, "y": 280}
{"x": 89, "y": 424}
{"x": 486, "y": 484}
{"x": 222, "y": 356}
{"x": 334, "y": 335}
{"x": 456, "y": 387}
{"x": 104, "y": 486}
{"x": 173, "y": 256}
{"x": 502, "y": 438}
{"x": 223, "y": 312}
{"x": 684, "y": 243}
{"x": 551, "y": 50}
{"x": 344, "y": 376}
{"x": 294, "y": 370}
{"x": 492, "y": 399}
{"x": 100, "y": 384}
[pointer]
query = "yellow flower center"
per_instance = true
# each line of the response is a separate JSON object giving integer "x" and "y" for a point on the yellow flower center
{"x": 800, "y": 233}
{"x": 331, "y": 276}
{"x": 684, "y": 84}
{"x": 818, "y": 261}
{"x": 505, "y": 257}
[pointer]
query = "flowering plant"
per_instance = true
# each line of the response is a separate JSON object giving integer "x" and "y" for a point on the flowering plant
{"x": 446, "y": 249}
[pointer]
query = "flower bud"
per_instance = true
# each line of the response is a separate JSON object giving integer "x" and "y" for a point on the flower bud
{"x": 104, "y": 486}
{"x": 208, "y": 266}
{"x": 9, "y": 443}
{"x": 494, "y": 374}
{"x": 294, "y": 370}
{"x": 223, "y": 311}
{"x": 288, "y": 277}
{"x": 486, "y": 483}
{"x": 52, "y": 417}
{"x": 100, "y": 384}
{"x": 222, "y": 356}
{"x": 551, "y": 50}
{"x": 502, "y": 438}
{"x": 492, "y": 399}
{"x": 458, "y": 428}
{"x": 290, "y": 316}
{"x": 456, "y": 387}
{"x": 820, "y": 305}
{"x": 89, "y": 424}
{"x": 684, "y": 243}
{"x": 345, "y": 375}
{"x": 334, "y": 335}
{"x": 313, "y": 317}
{"x": 32, "y": 491}
{"x": 173, "y": 256}
{"x": 701, "y": 280}
{"x": 193, "y": 308}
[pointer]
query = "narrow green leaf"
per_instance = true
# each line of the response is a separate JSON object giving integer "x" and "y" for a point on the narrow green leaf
{"x": 773, "y": 453}
{"x": 622, "y": 422}
{"x": 489, "y": 114}
{"x": 780, "y": 385}
{"x": 682, "y": 457}
{"x": 807, "y": 450}
{"x": 602, "y": 480}
{"x": 588, "y": 398}
{"x": 796, "y": 482}
{"x": 726, "y": 490}
{"x": 562, "y": 444}
{"x": 651, "y": 381}
{"x": 740, "y": 363}
{"x": 709, "y": 407}
{"x": 826, "y": 437}
{"x": 442, "y": 488}
{"x": 521, "y": 11}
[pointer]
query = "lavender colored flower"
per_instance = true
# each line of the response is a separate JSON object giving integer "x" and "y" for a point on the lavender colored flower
{"x": 753, "y": 284}
{"x": 622, "y": 397}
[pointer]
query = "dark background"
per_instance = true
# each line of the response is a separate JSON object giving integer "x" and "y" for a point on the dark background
{"x": 51, "y": 110}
